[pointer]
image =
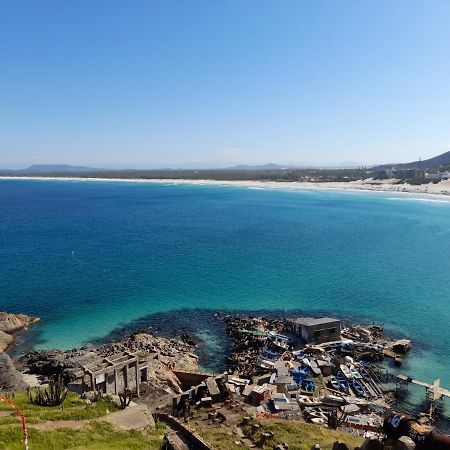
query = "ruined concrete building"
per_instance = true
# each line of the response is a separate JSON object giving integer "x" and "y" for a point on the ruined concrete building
{"x": 111, "y": 375}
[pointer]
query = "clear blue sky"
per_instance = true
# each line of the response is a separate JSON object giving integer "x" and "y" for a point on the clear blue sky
{"x": 144, "y": 82}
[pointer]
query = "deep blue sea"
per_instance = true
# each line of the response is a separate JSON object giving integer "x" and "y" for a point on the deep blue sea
{"x": 92, "y": 258}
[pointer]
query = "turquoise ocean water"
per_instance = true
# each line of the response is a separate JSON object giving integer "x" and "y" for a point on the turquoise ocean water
{"x": 92, "y": 257}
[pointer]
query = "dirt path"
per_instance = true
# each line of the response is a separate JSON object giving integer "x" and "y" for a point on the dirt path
{"x": 54, "y": 424}
{"x": 137, "y": 417}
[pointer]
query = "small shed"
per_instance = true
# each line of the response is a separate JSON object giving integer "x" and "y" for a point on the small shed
{"x": 316, "y": 330}
{"x": 261, "y": 393}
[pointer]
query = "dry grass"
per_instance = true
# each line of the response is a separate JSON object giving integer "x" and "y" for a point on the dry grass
{"x": 298, "y": 435}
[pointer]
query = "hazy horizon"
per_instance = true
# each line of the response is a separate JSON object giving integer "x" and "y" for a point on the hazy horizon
{"x": 106, "y": 83}
{"x": 189, "y": 165}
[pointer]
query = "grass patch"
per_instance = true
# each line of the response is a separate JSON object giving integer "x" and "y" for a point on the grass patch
{"x": 14, "y": 419}
{"x": 299, "y": 435}
{"x": 96, "y": 436}
{"x": 220, "y": 438}
{"x": 73, "y": 408}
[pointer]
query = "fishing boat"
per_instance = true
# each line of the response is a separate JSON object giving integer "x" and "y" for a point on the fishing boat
{"x": 333, "y": 400}
{"x": 307, "y": 385}
{"x": 349, "y": 361}
{"x": 365, "y": 374}
{"x": 279, "y": 340}
{"x": 314, "y": 367}
{"x": 268, "y": 356}
{"x": 355, "y": 373}
{"x": 299, "y": 354}
{"x": 343, "y": 383}
{"x": 358, "y": 388}
{"x": 264, "y": 364}
{"x": 333, "y": 346}
{"x": 316, "y": 415}
{"x": 300, "y": 373}
{"x": 334, "y": 383}
{"x": 346, "y": 371}
{"x": 304, "y": 400}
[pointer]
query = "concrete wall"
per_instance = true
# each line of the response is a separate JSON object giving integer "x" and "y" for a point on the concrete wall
{"x": 188, "y": 436}
{"x": 322, "y": 333}
{"x": 106, "y": 383}
{"x": 307, "y": 331}
{"x": 189, "y": 379}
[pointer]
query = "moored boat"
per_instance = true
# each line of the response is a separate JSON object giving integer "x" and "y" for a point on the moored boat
{"x": 333, "y": 400}
{"x": 279, "y": 340}
{"x": 304, "y": 400}
{"x": 355, "y": 373}
{"x": 343, "y": 383}
{"x": 358, "y": 388}
{"x": 264, "y": 364}
{"x": 346, "y": 371}
{"x": 334, "y": 383}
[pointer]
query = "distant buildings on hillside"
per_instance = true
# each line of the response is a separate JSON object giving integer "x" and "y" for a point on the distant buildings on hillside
{"x": 413, "y": 174}
{"x": 444, "y": 175}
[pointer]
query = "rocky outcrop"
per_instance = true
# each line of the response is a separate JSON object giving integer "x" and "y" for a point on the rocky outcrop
{"x": 10, "y": 378}
{"x": 165, "y": 354}
{"x": 9, "y": 324}
{"x": 171, "y": 351}
{"x": 5, "y": 341}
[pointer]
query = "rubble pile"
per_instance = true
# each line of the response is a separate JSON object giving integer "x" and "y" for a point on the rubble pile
{"x": 370, "y": 333}
{"x": 249, "y": 335}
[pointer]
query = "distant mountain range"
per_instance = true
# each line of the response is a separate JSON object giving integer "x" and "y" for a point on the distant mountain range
{"x": 272, "y": 166}
{"x": 48, "y": 169}
{"x": 66, "y": 168}
{"x": 431, "y": 163}
{"x": 261, "y": 167}
{"x": 53, "y": 168}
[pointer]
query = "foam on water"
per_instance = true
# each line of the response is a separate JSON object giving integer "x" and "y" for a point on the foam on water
{"x": 420, "y": 199}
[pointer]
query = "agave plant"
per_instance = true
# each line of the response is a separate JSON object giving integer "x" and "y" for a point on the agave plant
{"x": 54, "y": 395}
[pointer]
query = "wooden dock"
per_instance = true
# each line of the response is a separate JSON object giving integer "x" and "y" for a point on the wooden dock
{"x": 434, "y": 391}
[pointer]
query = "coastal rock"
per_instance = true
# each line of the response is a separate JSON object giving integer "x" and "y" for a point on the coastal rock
{"x": 10, "y": 378}
{"x": 5, "y": 340}
{"x": 167, "y": 354}
{"x": 45, "y": 362}
{"x": 10, "y": 323}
